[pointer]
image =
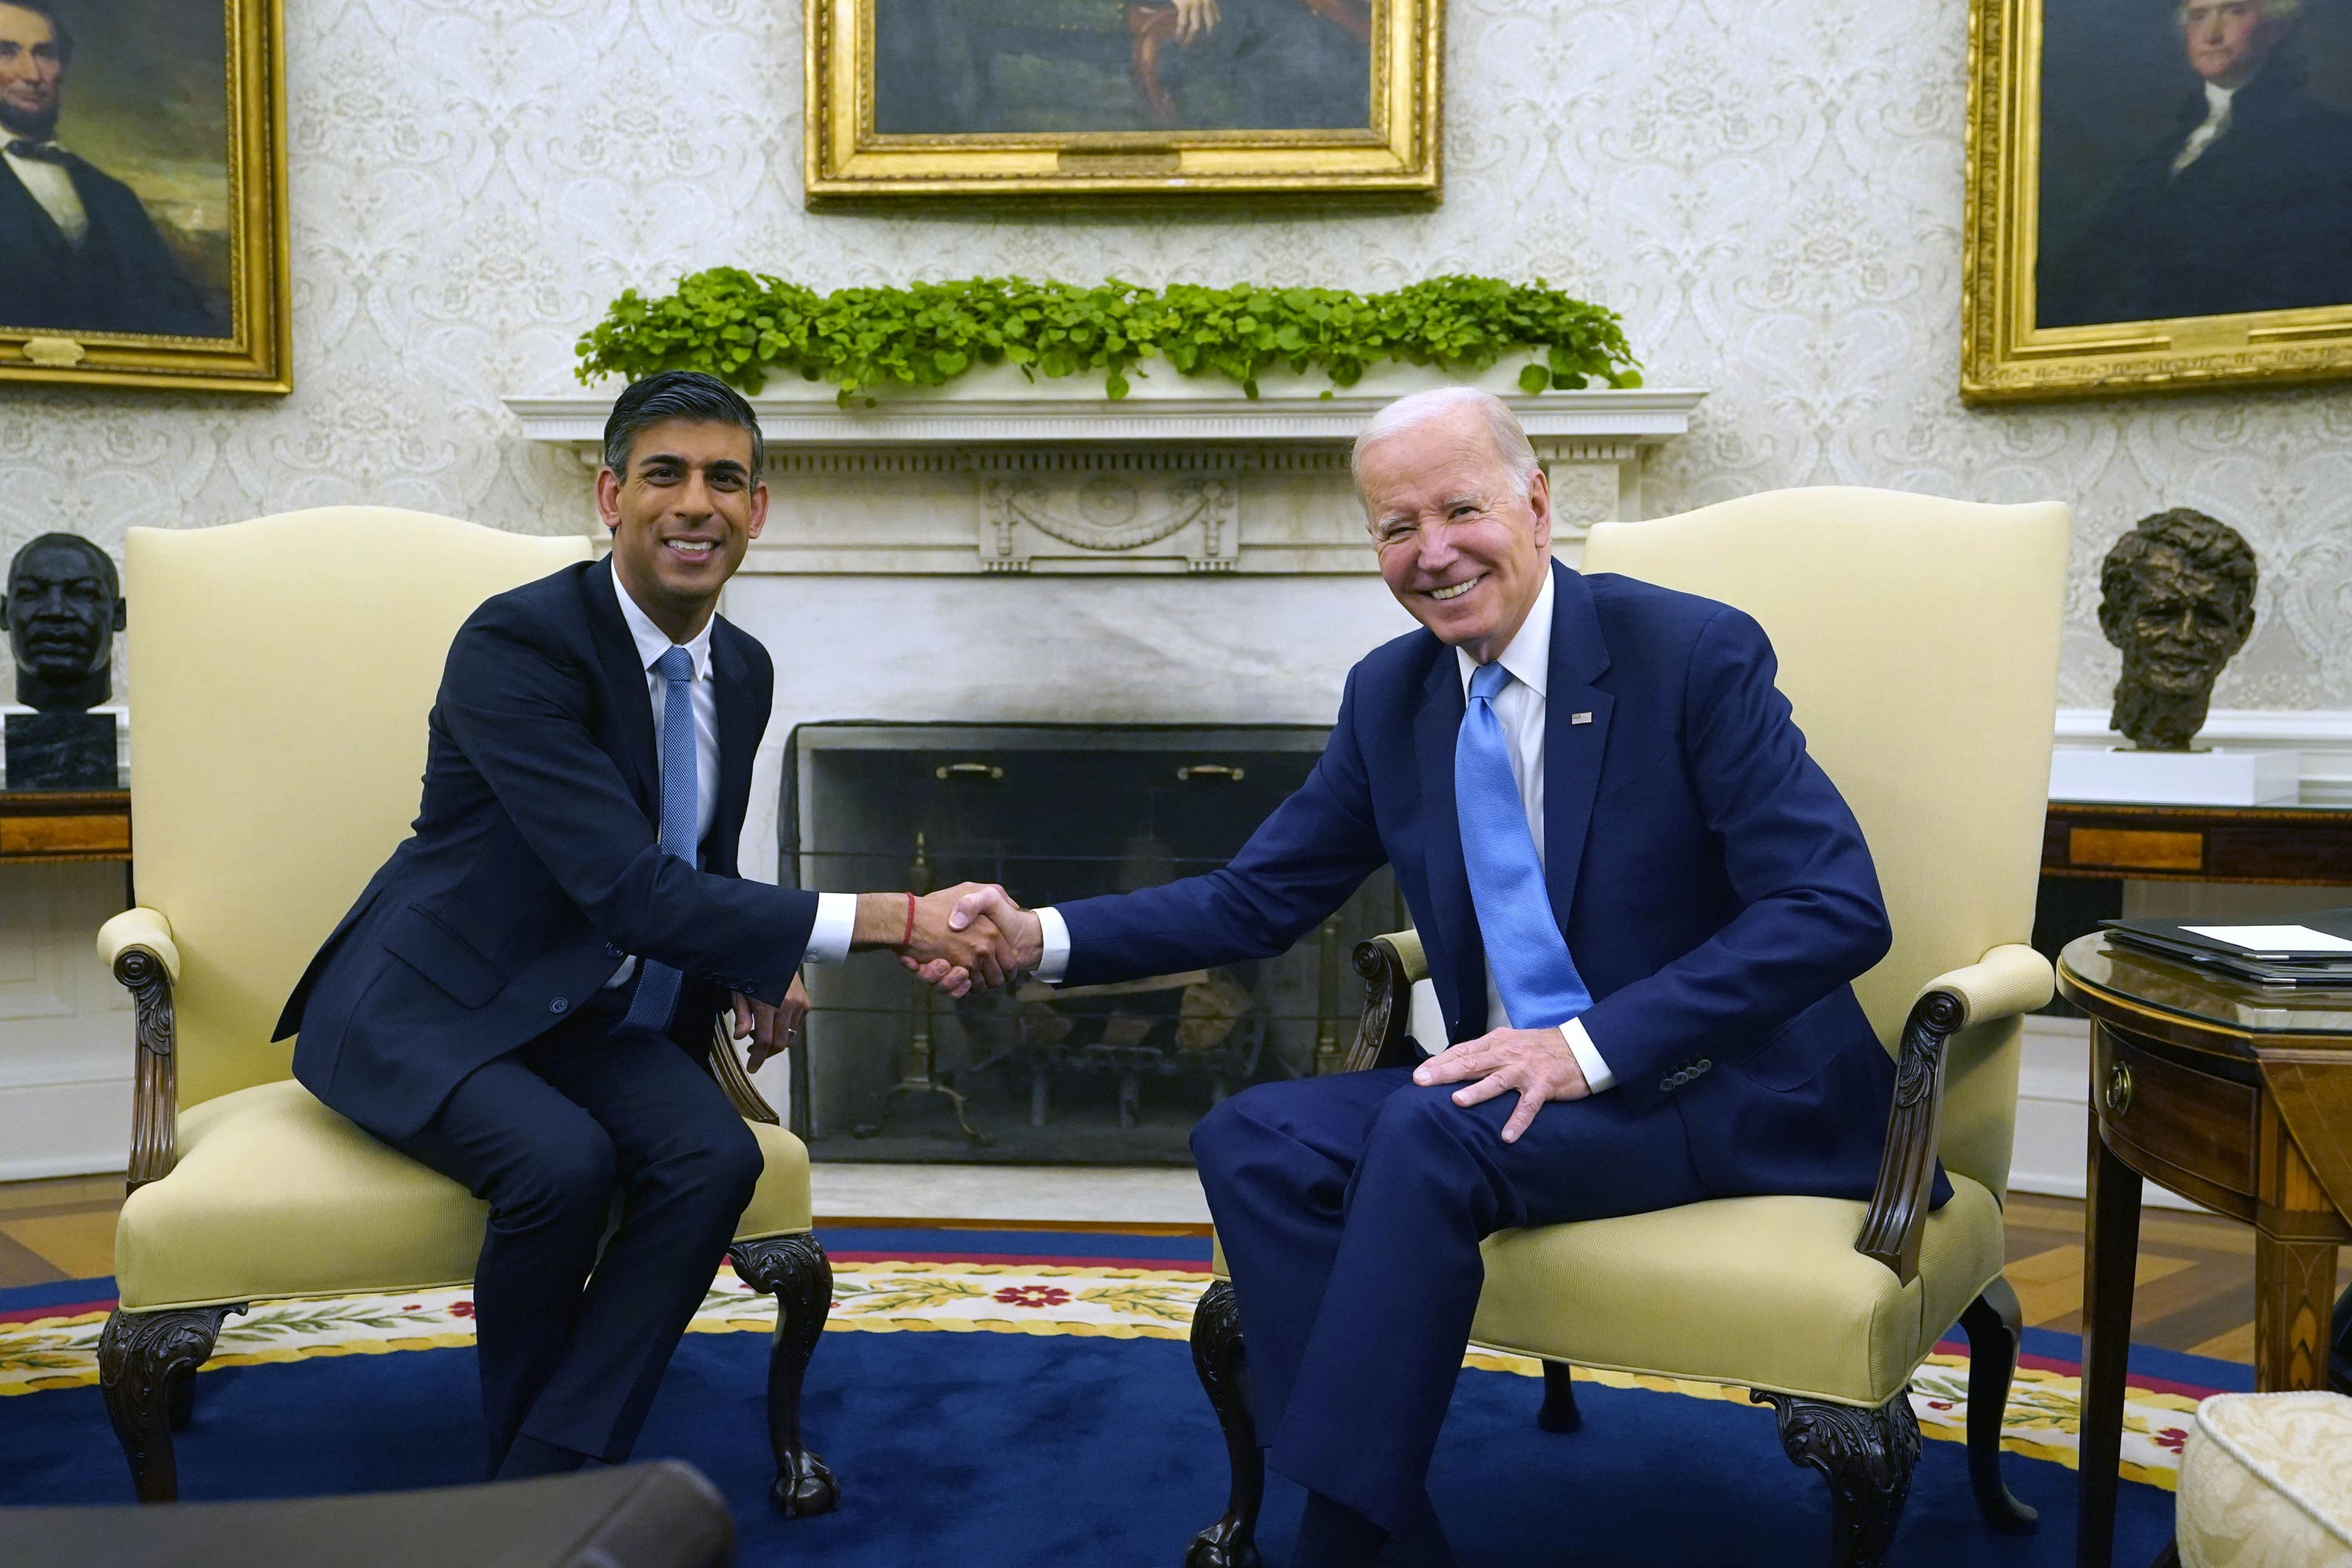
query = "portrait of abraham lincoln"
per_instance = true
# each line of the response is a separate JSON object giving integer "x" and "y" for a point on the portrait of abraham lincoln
{"x": 996, "y": 68}
{"x": 115, "y": 189}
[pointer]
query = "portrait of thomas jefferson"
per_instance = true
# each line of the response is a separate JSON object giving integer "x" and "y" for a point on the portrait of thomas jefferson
{"x": 81, "y": 251}
{"x": 2196, "y": 160}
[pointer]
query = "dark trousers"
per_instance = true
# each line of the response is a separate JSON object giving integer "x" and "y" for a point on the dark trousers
{"x": 574, "y": 1342}
{"x": 1350, "y": 1209}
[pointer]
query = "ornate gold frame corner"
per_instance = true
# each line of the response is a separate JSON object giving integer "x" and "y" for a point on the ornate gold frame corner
{"x": 846, "y": 163}
{"x": 2004, "y": 358}
{"x": 256, "y": 357}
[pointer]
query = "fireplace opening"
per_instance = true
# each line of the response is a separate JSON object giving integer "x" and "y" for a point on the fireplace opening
{"x": 1108, "y": 1075}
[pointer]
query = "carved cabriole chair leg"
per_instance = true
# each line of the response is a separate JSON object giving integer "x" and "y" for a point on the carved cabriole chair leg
{"x": 1560, "y": 1412}
{"x": 1995, "y": 1325}
{"x": 146, "y": 1364}
{"x": 1866, "y": 1456}
{"x": 1231, "y": 1541}
{"x": 794, "y": 1270}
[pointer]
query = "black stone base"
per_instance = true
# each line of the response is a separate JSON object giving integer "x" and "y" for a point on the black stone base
{"x": 61, "y": 751}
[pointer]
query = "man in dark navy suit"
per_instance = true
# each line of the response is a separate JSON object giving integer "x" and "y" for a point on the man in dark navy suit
{"x": 78, "y": 251}
{"x": 2244, "y": 203}
{"x": 1642, "y": 902}
{"x": 522, "y": 996}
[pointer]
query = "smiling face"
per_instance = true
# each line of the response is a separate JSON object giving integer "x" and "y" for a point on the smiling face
{"x": 1463, "y": 551}
{"x": 2228, "y": 39}
{"x": 2183, "y": 626}
{"x": 682, "y": 517}
{"x": 32, "y": 72}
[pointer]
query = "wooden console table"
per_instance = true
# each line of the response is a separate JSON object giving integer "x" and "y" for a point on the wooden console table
{"x": 2304, "y": 844}
{"x": 2240, "y": 1097}
{"x": 43, "y": 826}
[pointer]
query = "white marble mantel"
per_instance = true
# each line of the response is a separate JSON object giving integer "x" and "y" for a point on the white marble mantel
{"x": 998, "y": 475}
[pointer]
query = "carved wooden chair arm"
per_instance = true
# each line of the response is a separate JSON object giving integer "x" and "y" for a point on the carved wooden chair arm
{"x": 2009, "y": 980}
{"x": 137, "y": 946}
{"x": 728, "y": 1068}
{"x": 1390, "y": 965}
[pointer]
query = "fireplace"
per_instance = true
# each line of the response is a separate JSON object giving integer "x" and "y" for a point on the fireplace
{"x": 1101, "y": 1075}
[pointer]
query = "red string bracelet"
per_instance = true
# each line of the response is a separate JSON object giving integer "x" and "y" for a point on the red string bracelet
{"x": 908, "y": 939}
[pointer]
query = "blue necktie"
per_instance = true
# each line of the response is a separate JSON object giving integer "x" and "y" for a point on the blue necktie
{"x": 657, "y": 982}
{"x": 1537, "y": 978}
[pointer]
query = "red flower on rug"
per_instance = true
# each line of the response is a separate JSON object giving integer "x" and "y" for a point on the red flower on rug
{"x": 461, "y": 1309}
{"x": 2172, "y": 1438}
{"x": 1033, "y": 1295}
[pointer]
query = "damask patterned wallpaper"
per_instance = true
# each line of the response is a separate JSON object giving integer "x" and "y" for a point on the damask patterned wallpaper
{"x": 1768, "y": 190}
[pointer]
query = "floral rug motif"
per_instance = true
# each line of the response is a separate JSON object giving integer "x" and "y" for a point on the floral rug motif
{"x": 931, "y": 1296}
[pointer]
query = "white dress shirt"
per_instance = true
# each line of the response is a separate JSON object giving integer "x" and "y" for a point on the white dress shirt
{"x": 836, "y": 912}
{"x": 51, "y": 186}
{"x": 1520, "y": 708}
{"x": 2217, "y": 120}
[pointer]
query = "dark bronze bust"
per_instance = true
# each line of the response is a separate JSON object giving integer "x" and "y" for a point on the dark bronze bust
{"x": 63, "y": 606}
{"x": 2177, "y": 596}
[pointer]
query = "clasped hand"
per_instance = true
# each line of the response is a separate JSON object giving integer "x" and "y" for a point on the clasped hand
{"x": 969, "y": 937}
{"x": 1537, "y": 1063}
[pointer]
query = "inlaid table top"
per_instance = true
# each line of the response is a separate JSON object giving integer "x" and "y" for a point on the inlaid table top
{"x": 2199, "y": 1002}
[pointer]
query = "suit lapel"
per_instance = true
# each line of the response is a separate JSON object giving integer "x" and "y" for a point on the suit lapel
{"x": 1572, "y": 750}
{"x": 739, "y": 725}
{"x": 1458, "y": 957}
{"x": 26, "y": 223}
{"x": 632, "y": 704}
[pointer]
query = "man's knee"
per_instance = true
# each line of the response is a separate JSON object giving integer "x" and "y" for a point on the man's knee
{"x": 569, "y": 1177}
{"x": 1233, "y": 1126}
{"x": 719, "y": 1160}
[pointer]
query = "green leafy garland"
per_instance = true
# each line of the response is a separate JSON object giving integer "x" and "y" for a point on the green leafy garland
{"x": 745, "y": 327}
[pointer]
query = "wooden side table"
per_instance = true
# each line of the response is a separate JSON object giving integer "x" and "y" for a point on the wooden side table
{"x": 2239, "y": 1097}
{"x": 41, "y": 826}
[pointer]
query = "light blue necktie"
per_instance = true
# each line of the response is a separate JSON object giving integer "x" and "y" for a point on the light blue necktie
{"x": 657, "y": 982}
{"x": 1537, "y": 978}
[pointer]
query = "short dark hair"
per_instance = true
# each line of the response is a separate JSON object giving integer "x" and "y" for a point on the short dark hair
{"x": 46, "y": 10}
{"x": 672, "y": 395}
{"x": 2206, "y": 543}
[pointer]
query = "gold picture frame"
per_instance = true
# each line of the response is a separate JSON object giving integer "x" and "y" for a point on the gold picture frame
{"x": 2064, "y": 293}
{"x": 169, "y": 122}
{"x": 1113, "y": 101}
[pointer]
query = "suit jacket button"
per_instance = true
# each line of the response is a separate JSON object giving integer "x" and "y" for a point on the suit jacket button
{"x": 559, "y": 1005}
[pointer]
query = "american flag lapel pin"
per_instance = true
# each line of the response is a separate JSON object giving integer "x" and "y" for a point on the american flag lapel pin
{"x": 1579, "y": 718}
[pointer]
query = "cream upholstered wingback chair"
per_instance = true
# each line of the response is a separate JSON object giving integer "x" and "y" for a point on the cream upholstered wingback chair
{"x": 283, "y": 669}
{"x": 1918, "y": 646}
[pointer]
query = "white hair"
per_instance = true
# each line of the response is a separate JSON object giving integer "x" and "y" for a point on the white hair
{"x": 1510, "y": 440}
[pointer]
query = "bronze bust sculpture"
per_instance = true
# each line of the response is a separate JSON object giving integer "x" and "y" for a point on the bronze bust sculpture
{"x": 2177, "y": 596}
{"x": 63, "y": 605}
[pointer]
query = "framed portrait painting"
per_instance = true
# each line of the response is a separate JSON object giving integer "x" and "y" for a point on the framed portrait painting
{"x": 963, "y": 98}
{"x": 142, "y": 193}
{"x": 2160, "y": 196}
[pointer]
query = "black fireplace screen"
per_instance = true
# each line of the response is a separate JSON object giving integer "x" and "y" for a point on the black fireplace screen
{"x": 1099, "y": 1074}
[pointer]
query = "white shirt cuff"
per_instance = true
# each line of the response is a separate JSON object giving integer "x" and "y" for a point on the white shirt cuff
{"x": 1056, "y": 960}
{"x": 1596, "y": 1076}
{"x": 837, "y": 923}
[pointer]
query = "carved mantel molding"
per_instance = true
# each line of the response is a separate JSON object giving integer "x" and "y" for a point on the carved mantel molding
{"x": 997, "y": 475}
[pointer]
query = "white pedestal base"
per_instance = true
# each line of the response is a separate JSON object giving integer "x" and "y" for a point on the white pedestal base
{"x": 2176, "y": 778}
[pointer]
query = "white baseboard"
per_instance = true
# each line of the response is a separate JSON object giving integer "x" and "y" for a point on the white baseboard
{"x": 64, "y": 1129}
{"x": 2054, "y": 1111}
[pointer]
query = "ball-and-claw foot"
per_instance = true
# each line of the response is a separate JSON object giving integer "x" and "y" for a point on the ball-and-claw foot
{"x": 1223, "y": 1545}
{"x": 806, "y": 1488}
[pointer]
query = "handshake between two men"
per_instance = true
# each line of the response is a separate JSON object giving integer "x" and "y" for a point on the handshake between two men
{"x": 971, "y": 937}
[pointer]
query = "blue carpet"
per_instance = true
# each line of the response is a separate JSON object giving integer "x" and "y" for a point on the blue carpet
{"x": 988, "y": 1448}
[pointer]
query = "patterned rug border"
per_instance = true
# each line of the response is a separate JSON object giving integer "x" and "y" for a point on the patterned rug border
{"x": 1094, "y": 1302}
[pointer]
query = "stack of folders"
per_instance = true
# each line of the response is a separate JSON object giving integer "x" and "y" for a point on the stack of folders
{"x": 2315, "y": 950}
